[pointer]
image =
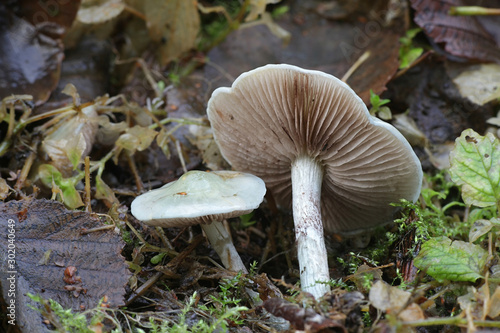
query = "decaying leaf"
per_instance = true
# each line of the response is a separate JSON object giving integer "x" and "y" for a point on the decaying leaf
{"x": 394, "y": 300}
{"x": 480, "y": 83}
{"x": 4, "y": 189}
{"x": 135, "y": 138}
{"x": 99, "y": 11}
{"x": 483, "y": 303}
{"x": 474, "y": 165}
{"x": 463, "y": 36}
{"x": 72, "y": 139}
{"x": 108, "y": 131}
{"x": 482, "y": 227}
{"x": 104, "y": 192}
{"x": 204, "y": 140}
{"x": 300, "y": 318}
{"x": 30, "y": 57}
{"x": 444, "y": 259}
{"x": 408, "y": 127}
{"x": 174, "y": 24}
{"x": 47, "y": 241}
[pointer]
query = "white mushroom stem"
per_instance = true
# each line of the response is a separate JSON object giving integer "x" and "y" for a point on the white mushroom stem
{"x": 307, "y": 176}
{"x": 220, "y": 240}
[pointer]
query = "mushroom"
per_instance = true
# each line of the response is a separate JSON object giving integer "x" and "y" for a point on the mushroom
{"x": 312, "y": 139}
{"x": 205, "y": 198}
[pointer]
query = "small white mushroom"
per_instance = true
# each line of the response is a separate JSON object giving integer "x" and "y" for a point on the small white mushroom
{"x": 204, "y": 198}
{"x": 314, "y": 143}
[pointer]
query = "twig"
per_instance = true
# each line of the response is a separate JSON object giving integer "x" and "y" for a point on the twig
{"x": 133, "y": 168}
{"x": 88, "y": 207}
{"x": 145, "y": 286}
{"x": 456, "y": 321}
{"x": 356, "y": 65}
{"x": 26, "y": 167}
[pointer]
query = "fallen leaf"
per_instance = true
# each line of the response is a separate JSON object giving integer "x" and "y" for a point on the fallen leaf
{"x": 174, "y": 25}
{"x": 203, "y": 139}
{"x": 463, "y": 36}
{"x": 474, "y": 166}
{"x": 480, "y": 83}
{"x": 36, "y": 12}
{"x": 444, "y": 259}
{"x": 71, "y": 139}
{"x": 47, "y": 229}
{"x": 394, "y": 300}
{"x": 379, "y": 68}
{"x": 30, "y": 57}
{"x": 135, "y": 138}
{"x": 4, "y": 189}
{"x": 482, "y": 302}
{"x": 100, "y": 11}
{"x": 479, "y": 228}
{"x": 388, "y": 298}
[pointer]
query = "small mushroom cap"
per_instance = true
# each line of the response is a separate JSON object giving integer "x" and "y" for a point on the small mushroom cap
{"x": 274, "y": 114}
{"x": 200, "y": 197}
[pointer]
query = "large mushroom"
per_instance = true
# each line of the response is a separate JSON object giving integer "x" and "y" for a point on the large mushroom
{"x": 204, "y": 198}
{"x": 312, "y": 139}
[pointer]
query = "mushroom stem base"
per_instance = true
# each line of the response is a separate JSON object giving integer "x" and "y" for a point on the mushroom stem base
{"x": 222, "y": 244}
{"x": 307, "y": 176}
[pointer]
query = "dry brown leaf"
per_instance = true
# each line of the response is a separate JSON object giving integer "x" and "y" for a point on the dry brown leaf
{"x": 174, "y": 24}
{"x": 55, "y": 260}
{"x": 479, "y": 83}
{"x": 30, "y": 57}
{"x": 394, "y": 300}
{"x": 463, "y": 36}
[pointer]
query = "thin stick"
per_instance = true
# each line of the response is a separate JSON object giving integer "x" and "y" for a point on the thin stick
{"x": 138, "y": 181}
{"x": 356, "y": 65}
{"x": 181, "y": 156}
{"x": 26, "y": 167}
{"x": 88, "y": 207}
{"x": 145, "y": 286}
{"x": 104, "y": 227}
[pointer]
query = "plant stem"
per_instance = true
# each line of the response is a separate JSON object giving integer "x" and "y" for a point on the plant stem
{"x": 450, "y": 321}
{"x": 307, "y": 176}
{"x": 473, "y": 10}
{"x": 222, "y": 244}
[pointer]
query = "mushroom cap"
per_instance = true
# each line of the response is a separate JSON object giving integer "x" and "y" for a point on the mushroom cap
{"x": 276, "y": 113}
{"x": 200, "y": 197}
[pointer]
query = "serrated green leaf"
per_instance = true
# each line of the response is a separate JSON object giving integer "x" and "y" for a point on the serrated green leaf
{"x": 475, "y": 164}
{"x": 453, "y": 261}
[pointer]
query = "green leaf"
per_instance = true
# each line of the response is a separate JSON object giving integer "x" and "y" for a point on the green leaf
{"x": 65, "y": 187}
{"x": 407, "y": 53}
{"x": 157, "y": 258}
{"x": 475, "y": 164}
{"x": 453, "y": 261}
{"x": 409, "y": 56}
{"x": 49, "y": 174}
{"x": 103, "y": 191}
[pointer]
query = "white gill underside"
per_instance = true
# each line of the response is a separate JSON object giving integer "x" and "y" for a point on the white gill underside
{"x": 307, "y": 176}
